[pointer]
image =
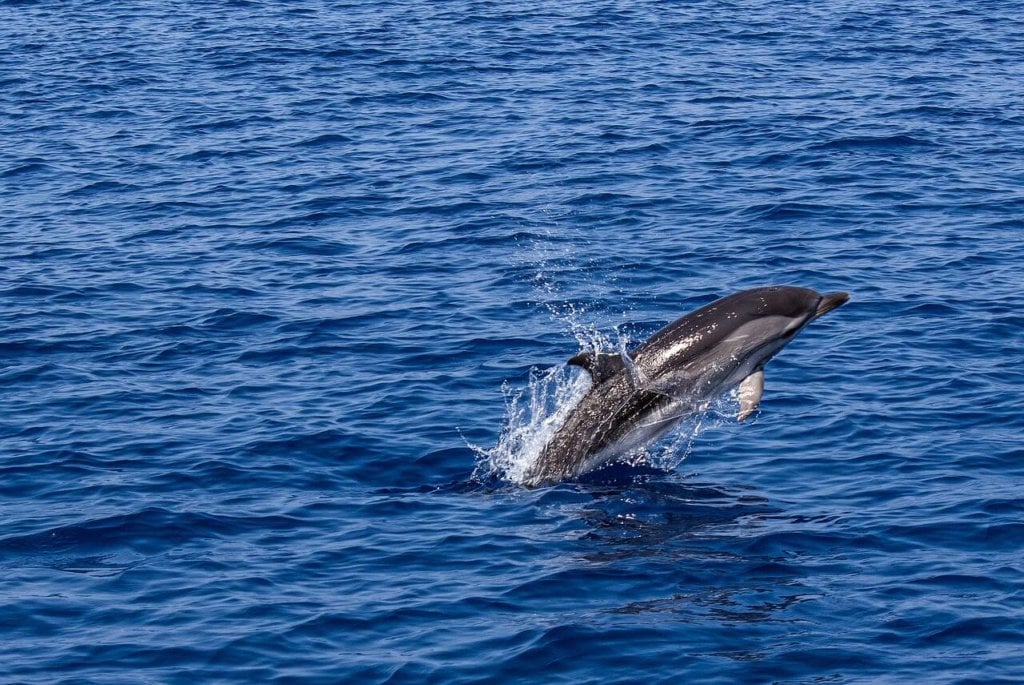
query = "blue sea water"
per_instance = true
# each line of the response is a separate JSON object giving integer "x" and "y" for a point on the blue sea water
{"x": 279, "y": 279}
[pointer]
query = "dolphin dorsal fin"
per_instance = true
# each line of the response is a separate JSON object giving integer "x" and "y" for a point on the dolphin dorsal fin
{"x": 600, "y": 365}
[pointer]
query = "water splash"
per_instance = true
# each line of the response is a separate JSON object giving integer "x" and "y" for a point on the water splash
{"x": 534, "y": 413}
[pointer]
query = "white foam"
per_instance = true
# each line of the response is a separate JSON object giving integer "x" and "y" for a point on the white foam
{"x": 532, "y": 415}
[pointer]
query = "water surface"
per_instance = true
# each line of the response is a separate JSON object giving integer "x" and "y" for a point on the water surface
{"x": 266, "y": 268}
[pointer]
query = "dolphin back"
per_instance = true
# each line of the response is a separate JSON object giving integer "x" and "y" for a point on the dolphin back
{"x": 700, "y": 331}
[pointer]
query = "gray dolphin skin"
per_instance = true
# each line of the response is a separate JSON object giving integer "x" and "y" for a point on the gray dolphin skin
{"x": 636, "y": 398}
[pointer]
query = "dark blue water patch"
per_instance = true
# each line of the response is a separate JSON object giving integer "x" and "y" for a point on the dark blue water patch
{"x": 26, "y": 167}
{"x": 325, "y": 140}
{"x": 785, "y": 211}
{"x": 228, "y": 319}
{"x": 115, "y": 533}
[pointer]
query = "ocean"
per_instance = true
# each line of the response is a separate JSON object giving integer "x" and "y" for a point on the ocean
{"x": 287, "y": 291}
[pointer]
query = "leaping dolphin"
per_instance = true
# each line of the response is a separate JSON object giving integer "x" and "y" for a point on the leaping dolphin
{"x": 636, "y": 398}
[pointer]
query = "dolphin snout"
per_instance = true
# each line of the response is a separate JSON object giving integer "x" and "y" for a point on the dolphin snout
{"x": 830, "y": 301}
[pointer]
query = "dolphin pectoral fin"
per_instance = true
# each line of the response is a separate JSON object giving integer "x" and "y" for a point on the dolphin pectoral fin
{"x": 750, "y": 392}
{"x": 600, "y": 365}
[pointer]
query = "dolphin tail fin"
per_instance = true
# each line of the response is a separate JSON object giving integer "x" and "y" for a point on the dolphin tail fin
{"x": 600, "y": 365}
{"x": 750, "y": 393}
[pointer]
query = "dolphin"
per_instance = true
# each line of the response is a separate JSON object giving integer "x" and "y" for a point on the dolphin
{"x": 636, "y": 398}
